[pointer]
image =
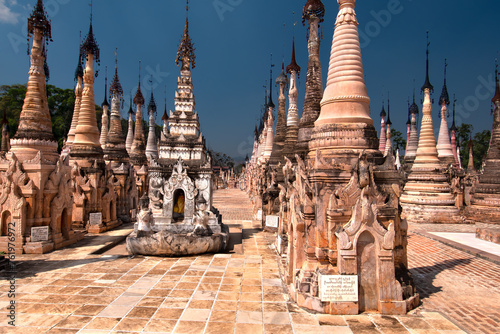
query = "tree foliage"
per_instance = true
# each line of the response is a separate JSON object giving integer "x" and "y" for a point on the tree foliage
{"x": 221, "y": 159}
{"x": 397, "y": 138}
{"x": 480, "y": 144}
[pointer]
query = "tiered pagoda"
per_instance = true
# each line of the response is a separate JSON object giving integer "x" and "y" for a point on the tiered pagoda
{"x": 339, "y": 224}
{"x": 427, "y": 196}
{"x": 485, "y": 208}
{"x": 313, "y": 12}
{"x": 183, "y": 171}
{"x": 36, "y": 197}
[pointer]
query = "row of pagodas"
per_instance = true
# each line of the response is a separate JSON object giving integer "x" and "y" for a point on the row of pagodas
{"x": 337, "y": 189}
{"x": 47, "y": 199}
{"x": 334, "y": 194}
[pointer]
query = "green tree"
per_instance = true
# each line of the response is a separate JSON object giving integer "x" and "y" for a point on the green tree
{"x": 221, "y": 159}
{"x": 397, "y": 139}
{"x": 480, "y": 144}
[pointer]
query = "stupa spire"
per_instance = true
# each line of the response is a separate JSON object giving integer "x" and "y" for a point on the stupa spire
{"x": 453, "y": 131}
{"x": 345, "y": 102}
{"x": 280, "y": 134}
{"x": 34, "y": 132}
{"x": 427, "y": 154}
{"x": 115, "y": 143}
{"x": 78, "y": 97}
{"x": 445, "y": 151}
{"x": 292, "y": 121}
{"x": 138, "y": 149}
{"x": 427, "y": 196}
{"x": 185, "y": 53}
{"x": 130, "y": 131}
{"x": 105, "y": 117}
{"x": 152, "y": 147}
{"x": 496, "y": 97}
{"x": 383, "y": 138}
{"x": 313, "y": 12}
{"x": 388, "y": 144}
{"x": 427, "y": 83}
{"x": 86, "y": 142}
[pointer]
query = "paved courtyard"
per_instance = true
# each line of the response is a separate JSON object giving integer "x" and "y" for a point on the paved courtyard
{"x": 75, "y": 291}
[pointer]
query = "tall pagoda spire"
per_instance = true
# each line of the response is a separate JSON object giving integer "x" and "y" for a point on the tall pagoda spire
{"x": 412, "y": 144}
{"x": 388, "y": 144}
{"x": 34, "y": 132}
{"x": 427, "y": 152}
{"x": 445, "y": 152}
{"x": 313, "y": 12}
{"x": 78, "y": 97}
{"x": 185, "y": 53}
{"x": 105, "y": 118}
{"x": 115, "y": 143}
{"x": 427, "y": 196}
{"x": 345, "y": 102}
{"x": 292, "y": 121}
{"x": 280, "y": 135}
{"x": 86, "y": 142}
{"x": 130, "y": 132}
{"x": 383, "y": 138}
{"x": 152, "y": 147}
{"x": 453, "y": 131}
{"x": 485, "y": 208}
{"x": 138, "y": 149}
{"x": 270, "y": 119}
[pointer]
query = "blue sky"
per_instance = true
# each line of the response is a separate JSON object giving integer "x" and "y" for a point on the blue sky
{"x": 234, "y": 39}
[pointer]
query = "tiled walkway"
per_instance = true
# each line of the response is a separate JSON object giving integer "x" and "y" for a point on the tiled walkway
{"x": 70, "y": 291}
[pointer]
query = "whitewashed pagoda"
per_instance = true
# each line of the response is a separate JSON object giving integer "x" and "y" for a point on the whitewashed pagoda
{"x": 182, "y": 174}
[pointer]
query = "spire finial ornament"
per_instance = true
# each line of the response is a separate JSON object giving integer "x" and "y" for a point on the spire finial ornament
{"x": 444, "y": 94}
{"x": 105, "y": 102}
{"x": 38, "y": 19}
{"x": 185, "y": 53}
{"x": 90, "y": 45}
{"x": 270, "y": 103}
{"x": 116, "y": 87}
{"x": 139, "y": 98}
{"x": 427, "y": 84}
{"x": 453, "y": 126}
{"x": 152, "y": 103}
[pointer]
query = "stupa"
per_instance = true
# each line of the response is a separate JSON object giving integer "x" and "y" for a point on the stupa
{"x": 383, "y": 137}
{"x": 313, "y": 12}
{"x": 94, "y": 191}
{"x": 412, "y": 145}
{"x": 445, "y": 151}
{"x": 181, "y": 178}
{"x": 280, "y": 134}
{"x": 427, "y": 196}
{"x": 339, "y": 227}
{"x": 485, "y": 208}
{"x": 35, "y": 186}
{"x": 292, "y": 121}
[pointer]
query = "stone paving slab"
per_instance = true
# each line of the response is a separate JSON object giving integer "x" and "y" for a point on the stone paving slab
{"x": 76, "y": 292}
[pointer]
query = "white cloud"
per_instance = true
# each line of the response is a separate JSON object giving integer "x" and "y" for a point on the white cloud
{"x": 6, "y": 14}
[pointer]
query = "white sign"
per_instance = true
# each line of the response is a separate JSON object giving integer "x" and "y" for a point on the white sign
{"x": 259, "y": 214}
{"x": 338, "y": 288}
{"x": 272, "y": 221}
{"x": 95, "y": 218}
{"x": 39, "y": 233}
{"x": 278, "y": 244}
